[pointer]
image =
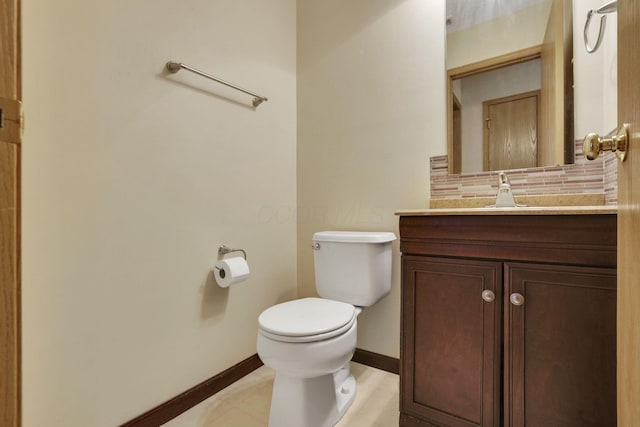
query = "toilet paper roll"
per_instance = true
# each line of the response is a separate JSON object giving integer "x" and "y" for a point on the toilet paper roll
{"x": 231, "y": 270}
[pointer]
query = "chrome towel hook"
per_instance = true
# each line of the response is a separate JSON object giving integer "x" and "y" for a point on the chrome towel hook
{"x": 603, "y": 10}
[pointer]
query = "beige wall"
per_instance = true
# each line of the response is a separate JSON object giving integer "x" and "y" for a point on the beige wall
{"x": 371, "y": 98}
{"x": 132, "y": 179}
{"x": 520, "y": 30}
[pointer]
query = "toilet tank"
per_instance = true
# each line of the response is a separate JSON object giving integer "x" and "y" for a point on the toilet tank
{"x": 353, "y": 266}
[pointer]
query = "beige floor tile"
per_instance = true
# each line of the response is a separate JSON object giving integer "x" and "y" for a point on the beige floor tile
{"x": 204, "y": 414}
{"x": 235, "y": 418}
{"x": 257, "y": 401}
{"x": 376, "y": 403}
{"x": 246, "y": 403}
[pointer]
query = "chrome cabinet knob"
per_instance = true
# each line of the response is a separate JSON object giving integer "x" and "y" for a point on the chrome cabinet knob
{"x": 516, "y": 299}
{"x": 594, "y": 144}
{"x": 488, "y": 295}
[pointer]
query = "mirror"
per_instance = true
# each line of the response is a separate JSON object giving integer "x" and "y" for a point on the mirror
{"x": 510, "y": 101}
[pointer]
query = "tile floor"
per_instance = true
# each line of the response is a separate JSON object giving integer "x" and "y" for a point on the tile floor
{"x": 246, "y": 402}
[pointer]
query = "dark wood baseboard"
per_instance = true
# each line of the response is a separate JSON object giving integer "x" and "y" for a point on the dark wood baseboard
{"x": 190, "y": 398}
{"x": 378, "y": 361}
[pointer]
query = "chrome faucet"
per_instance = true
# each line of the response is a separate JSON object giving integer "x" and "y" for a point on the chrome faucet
{"x": 504, "y": 198}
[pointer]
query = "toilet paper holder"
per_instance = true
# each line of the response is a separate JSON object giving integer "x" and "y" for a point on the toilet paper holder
{"x": 224, "y": 249}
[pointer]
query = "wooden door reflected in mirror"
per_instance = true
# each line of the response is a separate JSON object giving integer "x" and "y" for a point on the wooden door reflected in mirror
{"x": 510, "y": 137}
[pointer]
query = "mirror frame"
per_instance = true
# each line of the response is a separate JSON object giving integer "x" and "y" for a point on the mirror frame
{"x": 512, "y": 58}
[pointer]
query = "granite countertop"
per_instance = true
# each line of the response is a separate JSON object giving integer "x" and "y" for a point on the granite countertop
{"x": 534, "y": 210}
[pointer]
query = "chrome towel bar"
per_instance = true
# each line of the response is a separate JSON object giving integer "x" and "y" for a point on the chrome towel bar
{"x": 174, "y": 67}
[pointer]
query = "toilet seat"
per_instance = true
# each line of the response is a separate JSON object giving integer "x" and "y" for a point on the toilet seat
{"x": 306, "y": 320}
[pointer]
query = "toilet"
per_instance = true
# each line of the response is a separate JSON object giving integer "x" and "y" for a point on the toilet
{"x": 310, "y": 341}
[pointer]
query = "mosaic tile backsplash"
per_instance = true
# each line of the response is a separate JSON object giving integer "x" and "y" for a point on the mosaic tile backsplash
{"x": 599, "y": 176}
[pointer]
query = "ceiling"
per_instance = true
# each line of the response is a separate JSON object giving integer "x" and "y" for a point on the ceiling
{"x": 467, "y": 13}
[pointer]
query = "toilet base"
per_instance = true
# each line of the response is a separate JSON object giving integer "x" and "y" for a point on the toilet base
{"x": 311, "y": 402}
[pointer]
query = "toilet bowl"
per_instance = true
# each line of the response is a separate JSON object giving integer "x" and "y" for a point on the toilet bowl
{"x": 313, "y": 385}
{"x": 309, "y": 342}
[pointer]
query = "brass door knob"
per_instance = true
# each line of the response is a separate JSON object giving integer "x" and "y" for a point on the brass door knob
{"x": 619, "y": 144}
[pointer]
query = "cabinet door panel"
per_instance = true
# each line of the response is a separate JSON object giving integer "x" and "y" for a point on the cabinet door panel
{"x": 560, "y": 346}
{"x": 451, "y": 341}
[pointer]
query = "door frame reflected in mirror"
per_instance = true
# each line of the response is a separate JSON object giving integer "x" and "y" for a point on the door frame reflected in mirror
{"x": 512, "y": 58}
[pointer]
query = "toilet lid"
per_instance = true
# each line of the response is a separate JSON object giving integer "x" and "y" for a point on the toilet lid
{"x": 305, "y": 318}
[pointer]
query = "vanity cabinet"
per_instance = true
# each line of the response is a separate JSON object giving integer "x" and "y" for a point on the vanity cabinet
{"x": 508, "y": 320}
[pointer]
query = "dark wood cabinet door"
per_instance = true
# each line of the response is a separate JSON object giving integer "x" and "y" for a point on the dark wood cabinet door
{"x": 450, "y": 359}
{"x": 560, "y": 346}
